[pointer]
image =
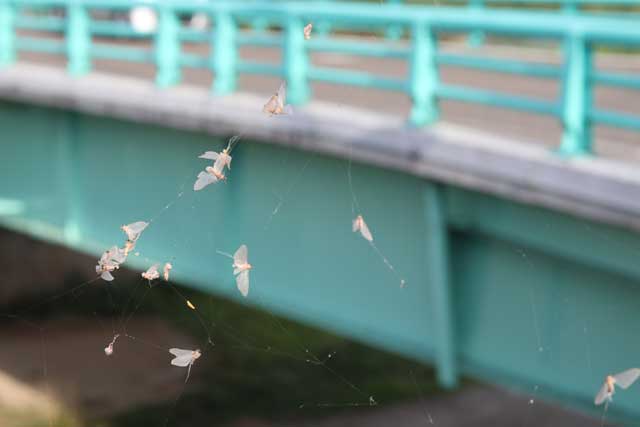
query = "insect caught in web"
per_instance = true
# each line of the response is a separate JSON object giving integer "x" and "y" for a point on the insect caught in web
{"x": 108, "y": 350}
{"x": 133, "y": 232}
{"x": 623, "y": 379}
{"x": 109, "y": 262}
{"x": 184, "y": 359}
{"x": 241, "y": 269}
{"x": 152, "y": 273}
{"x": 307, "y": 31}
{"x": 276, "y": 104}
{"x": 165, "y": 271}
{"x": 361, "y": 226}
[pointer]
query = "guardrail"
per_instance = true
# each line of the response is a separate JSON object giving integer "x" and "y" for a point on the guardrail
{"x": 579, "y": 36}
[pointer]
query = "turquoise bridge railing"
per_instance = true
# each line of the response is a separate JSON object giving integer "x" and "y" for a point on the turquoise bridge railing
{"x": 579, "y": 35}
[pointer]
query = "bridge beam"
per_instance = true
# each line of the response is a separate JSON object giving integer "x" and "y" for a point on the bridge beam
{"x": 437, "y": 250}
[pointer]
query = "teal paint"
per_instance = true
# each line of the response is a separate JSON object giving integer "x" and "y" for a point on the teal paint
{"x": 576, "y": 137}
{"x": 7, "y": 34}
{"x": 437, "y": 265}
{"x": 424, "y": 76}
{"x": 167, "y": 47}
{"x": 70, "y": 178}
{"x": 225, "y": 54}
{"x": 562, "y": 236}
{"x": 506, "y": 260}
{"x": 78, "y": 39}
{"x": 476, "y": 38}
{"x": 296, "y": 62}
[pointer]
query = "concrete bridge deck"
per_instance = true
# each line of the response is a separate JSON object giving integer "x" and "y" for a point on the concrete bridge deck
{"x": 544, "y": 131}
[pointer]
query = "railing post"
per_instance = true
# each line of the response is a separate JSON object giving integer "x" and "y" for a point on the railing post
{"x": 394, "y": 32}
{"x": 576, "y": 137}
{"x": 476, "y": 38}
{"x": 7, "y": 33}
{"x": 437, "y": 265}
{"x": 167, "y": 47}
{"x": 295, "y": 61}
{"x": 225, "y": 52}
{"x": 78, "y": 39}
{"x": 424, "y": 75}
{"x": 570, "y": 7}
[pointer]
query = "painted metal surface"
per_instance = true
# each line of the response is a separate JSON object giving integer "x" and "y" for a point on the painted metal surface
{"x": 579, "y": 34}
{"x": 513, "y": 294}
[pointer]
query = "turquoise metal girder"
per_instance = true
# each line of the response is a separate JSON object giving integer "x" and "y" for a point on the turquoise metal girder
{"x": 496, "y": 289}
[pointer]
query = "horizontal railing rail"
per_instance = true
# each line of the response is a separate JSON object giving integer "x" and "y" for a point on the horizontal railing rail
{"x": 74, "y": 33}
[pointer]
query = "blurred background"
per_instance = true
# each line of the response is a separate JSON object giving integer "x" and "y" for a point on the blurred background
{"x": 490, "y": 146}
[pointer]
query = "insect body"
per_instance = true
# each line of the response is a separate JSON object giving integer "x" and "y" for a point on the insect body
{"x": 152, "y": 273}
{"x": 361, "y": 226}
{"x": 165, "y": 271}
{"x": 110, "y": 261}
{"x": 276, "y": 104}
{"x": 108, "y": 350}
{"x": 307, "y": 31}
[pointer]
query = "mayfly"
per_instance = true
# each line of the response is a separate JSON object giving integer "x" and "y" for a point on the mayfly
{"x": 220, "y": 160}
{"x": 307, "y": 31}
{"x": 110, "y": 261}
{"x": 165, "y": 271}
{"x": 152, "y": 273}
{"x": 276, "y": 104}
{"x": 134, "y": 230}
{"x": 108, "y": 350}
{"x": 184, "y": 358}
{"x": 358, "y": 225}
{"x": 241, "y": 269}
{"x": 361, "y": 226}
{"x": 624, "y": 379}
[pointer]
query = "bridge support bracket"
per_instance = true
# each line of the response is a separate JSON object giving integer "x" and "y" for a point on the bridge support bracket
{"x": 437, "y": 251}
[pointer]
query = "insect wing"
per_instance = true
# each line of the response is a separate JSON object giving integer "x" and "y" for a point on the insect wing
{"x": 134, "y": 229}
{"x": 364, "y": 230}
{"x": 626, "y": 378}
{"x": 282, "y": 95}
{"x": 211, "y": 155}
{"x": 356, "y": 224}
{"x": 241, "y": 255}
{"x": 106, "y": 275}
{"x": 271, "y": 106}
{"x": 118, "y": 255}
{"x": 602, "y": 395}
{"x": 242, "y": 281}
{"x": 203, "y": 180}
{"x": 219, "y": 164}
{"x": 182, "y": 358}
